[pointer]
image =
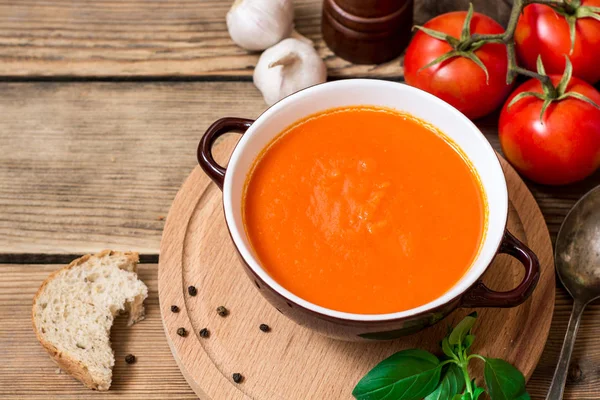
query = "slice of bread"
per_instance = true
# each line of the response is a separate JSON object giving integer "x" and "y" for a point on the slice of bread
{"x": 74, "y": 310}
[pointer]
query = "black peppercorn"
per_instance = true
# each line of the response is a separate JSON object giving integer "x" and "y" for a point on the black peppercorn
{"x": 129, "y": 358}
{"x": 264, "y": 327}
{"x": 182, "y": 332}
{"x": 174, "y": 309}
{"x": 222, "y": 311}
{"x": 237, "y": 378}
{"x": 192, "y": 290}
{"x": 204, "y": 333}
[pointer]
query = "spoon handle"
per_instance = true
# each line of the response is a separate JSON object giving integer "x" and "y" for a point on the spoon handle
{"x": 562, "y": 368}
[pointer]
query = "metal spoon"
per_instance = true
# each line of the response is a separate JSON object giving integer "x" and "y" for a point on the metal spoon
{"x": 577, "y": 258}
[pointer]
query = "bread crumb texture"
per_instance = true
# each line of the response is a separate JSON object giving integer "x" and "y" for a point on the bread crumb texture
{"x": 75, "y": 307}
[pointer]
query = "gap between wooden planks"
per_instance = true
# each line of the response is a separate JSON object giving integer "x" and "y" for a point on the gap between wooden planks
{"x": 26, "y": 372}
{"x": 88, "y": 166}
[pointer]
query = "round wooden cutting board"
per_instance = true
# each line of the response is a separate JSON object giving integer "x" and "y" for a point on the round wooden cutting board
{"x": 291, "y": 362}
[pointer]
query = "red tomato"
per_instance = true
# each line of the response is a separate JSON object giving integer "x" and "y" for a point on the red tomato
{"x": 565, "y": 147}
{"x": 542, "y": 31}
{"x": 459, "y": 81}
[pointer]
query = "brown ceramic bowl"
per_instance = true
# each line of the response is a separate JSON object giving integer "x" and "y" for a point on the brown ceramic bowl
{"x": 469, "y": 291}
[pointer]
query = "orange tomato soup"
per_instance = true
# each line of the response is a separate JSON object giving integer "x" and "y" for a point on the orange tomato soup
{"x": 364, "y": 210}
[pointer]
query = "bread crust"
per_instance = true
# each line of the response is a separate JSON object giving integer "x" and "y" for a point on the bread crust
{"x": 73, "y": 367}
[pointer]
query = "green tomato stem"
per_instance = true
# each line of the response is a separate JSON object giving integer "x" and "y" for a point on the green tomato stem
{"x": 469, "y": 43}
{"x": 508, "y": 39}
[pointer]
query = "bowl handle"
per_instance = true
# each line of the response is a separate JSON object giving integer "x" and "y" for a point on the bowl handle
{"x": 218, "y": 128}
{"x": 480, "y": 295}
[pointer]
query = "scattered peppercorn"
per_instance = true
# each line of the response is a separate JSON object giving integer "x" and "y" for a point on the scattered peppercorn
{"x": 130, "y": 359}
{"x": 265, "y": 327}
{"x": 204, "y": 333}
{"x": 222, "y": 311}
{"x": 182, "y": 332}
{"x": 237, "y": 378}
{"x": 174, "y": 309}
{"x": 192, "y": 290}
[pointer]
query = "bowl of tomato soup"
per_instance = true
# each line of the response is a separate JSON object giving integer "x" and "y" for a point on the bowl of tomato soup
{"x": 366, "y": 209}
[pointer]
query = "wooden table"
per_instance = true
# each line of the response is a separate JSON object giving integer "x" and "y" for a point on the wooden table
{"x": 103, "y": 103}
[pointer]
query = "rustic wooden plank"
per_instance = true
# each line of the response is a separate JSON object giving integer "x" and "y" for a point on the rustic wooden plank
{"x": 27, "y": 372}
{"x": 163, "y": 38}
{"x": 88, "y": 166}
{"x": 584, "y": 378}
{"x": 92, "y": 166}
{"x": 142, "y": 38}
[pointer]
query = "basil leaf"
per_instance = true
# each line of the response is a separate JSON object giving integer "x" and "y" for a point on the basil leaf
{"x": 504, "y": 382}
{"x": 447, "y": 349}
{"x": 457, "y": 397}
{"x": 451, "y": 384}
{"x": 409, "y": 375}
{"x": 469, "y": 339}
{"x": 463, "y": 328}
{"x": 477, "y": 392}
{"x": 466, "y": 396}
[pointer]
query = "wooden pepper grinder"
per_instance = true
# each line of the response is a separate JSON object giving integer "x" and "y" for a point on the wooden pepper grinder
{"x": 367, "y": 31}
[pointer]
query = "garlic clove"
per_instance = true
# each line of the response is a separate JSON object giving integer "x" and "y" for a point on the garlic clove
{"x": 259, "y": 24}
{"x": 287, "y": 67}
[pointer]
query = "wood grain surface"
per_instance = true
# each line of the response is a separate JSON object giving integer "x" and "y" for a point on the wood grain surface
{"x": 164, "y": 38}
{"x": 143, "y": 38}
{"x": 88, "y": 166}
{"x": 196, "y": 250}
{"x": 26, "y": 371}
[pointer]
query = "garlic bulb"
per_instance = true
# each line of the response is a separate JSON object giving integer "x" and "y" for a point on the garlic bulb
{"x": 287, "y": 67}
{"x": 259, "y": 24}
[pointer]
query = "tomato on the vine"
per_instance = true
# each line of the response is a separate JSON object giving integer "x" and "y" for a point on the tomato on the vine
{"x": 552, "y": 141}
{"x": 459, "y": 78}
{"x": 549, "y": 32}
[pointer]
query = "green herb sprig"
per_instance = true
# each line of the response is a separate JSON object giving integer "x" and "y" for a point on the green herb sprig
{"x": 417, "y": 374}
